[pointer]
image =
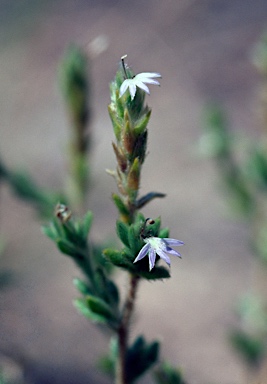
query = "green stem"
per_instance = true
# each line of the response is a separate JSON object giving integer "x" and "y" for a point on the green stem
{"x": 123, "y": 331}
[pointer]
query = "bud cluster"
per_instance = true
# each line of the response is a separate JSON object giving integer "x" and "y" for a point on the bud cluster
{"x": 129, "y": 119}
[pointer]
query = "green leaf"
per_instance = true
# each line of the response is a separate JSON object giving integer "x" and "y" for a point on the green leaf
{"x": 123, "y": 210}
{"x": 107, "y": 288}
{"x": 113, "y": 292}
{"x": 101, "y": 308}
{"x": 82, "y": 286}
{"x": 67, "y": 248}
{"x": 108, "y": 362}
{"x": 250, "y": 347}
{"x": 140, "y": 357}
{"x": 82, "y": 307}
{"x": 70, "y": 232}
{"x": 166, "y": 374}
{"x": 119, "y": 259}
{"x": 50, "y": 231}
{"x": 87, "y": 223}
{"x": 135, "y": 241}
{"x": 157, "y": 273}
{"x": 141, "y": 124}
{"x": 147, "y": 198}
{"x": 164, "y": 233}
{"x": 122, "y": 231}
{"x": 116, "y": 121}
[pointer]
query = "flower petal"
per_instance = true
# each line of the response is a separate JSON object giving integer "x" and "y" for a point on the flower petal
{"x": 164, "y": 256}
{"x": 152, "y": 258}
{"x": 151, "y": 81}
{"x": 145, "y": 75}
{"x": 124, "y": 86}
{"x": 142, "y": 253}
{"x": 132, "y": 89}
{"x": 173, "y": 242}
{"x": 173, "y": 252}
{"x": 141, "y": 85}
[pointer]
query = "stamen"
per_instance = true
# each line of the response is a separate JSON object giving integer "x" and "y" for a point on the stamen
{"x": 123, "y": 65}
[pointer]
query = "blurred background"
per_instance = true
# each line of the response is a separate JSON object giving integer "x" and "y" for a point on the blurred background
{"x": 203, "y": 49}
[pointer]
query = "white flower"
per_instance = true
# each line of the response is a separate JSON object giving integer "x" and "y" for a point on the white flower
{"x": 157, "y": 246}
{"x": 140, "y": 81}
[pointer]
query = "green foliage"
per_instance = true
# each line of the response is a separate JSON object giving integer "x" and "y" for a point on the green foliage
{"x": 82, "y": 286}
{"x": 24, "y": 187}
{"x": 140, "y": 357}
{"x": 216, "y": 140}
{"x": 164, "y": 233}
{"x": 98, "y": 305}
{"x": 250, "y": 347}
{"x": 252, "y": 310}
{"x": 73, "y": 76}
{"x": 256, "y": 169}
{"x": 121, "y": 206}
{"x": 97, "y": 310}
{"x": 166, "y": 374}
{"x": 82, "y": 306}
{"x": 142, "y": 201}
{"x": 218, "y": 143}
{"x": 243, "y": 170}
{"x": 100, "y": 301}
{"x": 107, "y": 363}
{"x": 100, "y": 298}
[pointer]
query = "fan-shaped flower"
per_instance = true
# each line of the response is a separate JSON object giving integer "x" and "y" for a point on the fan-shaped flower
{"x": 158, "y": 246}
{"x": 140, "y": 81}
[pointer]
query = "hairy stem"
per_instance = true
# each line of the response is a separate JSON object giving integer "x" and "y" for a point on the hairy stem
{"x": 123, "y": 331}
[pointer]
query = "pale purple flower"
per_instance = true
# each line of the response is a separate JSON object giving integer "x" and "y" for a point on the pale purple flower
{"x": 140, "y": 81}
{"x": 157, "y": 246}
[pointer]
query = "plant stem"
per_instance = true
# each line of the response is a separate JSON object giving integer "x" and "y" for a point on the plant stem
{"x": 123, "y": 330}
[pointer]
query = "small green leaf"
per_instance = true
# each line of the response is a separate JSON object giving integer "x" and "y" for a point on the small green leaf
{"x": 70, "y": 232}
{"x": 82, "y": 307}
{"x": 140, "y": 357}
{"x": 123, "y": 210}
{"x": 82, "y": 286}
{"x": 122, "y": 231}
{"x": 113, "y": 292}
{"x": 141, "y": 124}
{"x": 164, "y": 233}
{"x": 166, "y": 374}
{"x": 66, "y": 247}
{"x": 251, "y": 348}
{"x": 119, "y": 259}
{"x": 135, "y": 241}
{"x": 116, "y": 121}
{"x": 50, "y": 231}
{"x": 82, "y": 228}
{"x": 101, "y": 308}
{"x": 157, "y": 273}
{"x": 147, "y": 198}
{"x": 107, "y": 288}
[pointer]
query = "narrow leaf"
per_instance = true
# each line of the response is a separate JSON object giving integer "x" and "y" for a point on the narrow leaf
{"x": 82, "y": 307}
{"x": 147, "y": 198}
{"x": 122, "y": 231}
